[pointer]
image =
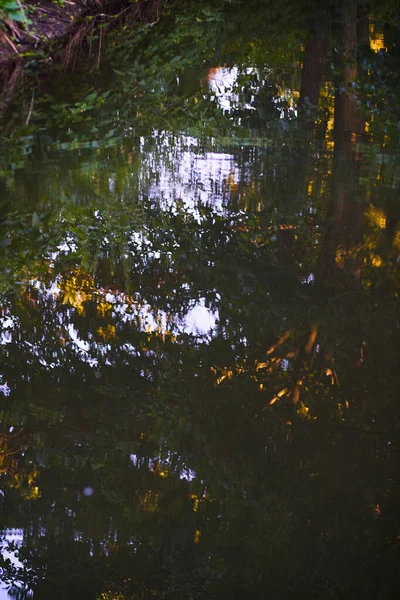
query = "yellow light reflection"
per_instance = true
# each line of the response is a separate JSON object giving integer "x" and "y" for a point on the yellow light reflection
{"x": 376, "y": 216}
{"x": 376, "y": 38}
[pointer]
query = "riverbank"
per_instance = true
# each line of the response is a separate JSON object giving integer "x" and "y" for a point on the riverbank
{"x": 51, "y": 33}
{"x": 37, "y": 27}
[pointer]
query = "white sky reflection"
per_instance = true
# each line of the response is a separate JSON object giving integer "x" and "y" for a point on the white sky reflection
{"x": 181, "y": 171}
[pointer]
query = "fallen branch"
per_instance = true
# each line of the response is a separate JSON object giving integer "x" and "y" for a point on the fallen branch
{"x": 10, "y": 43}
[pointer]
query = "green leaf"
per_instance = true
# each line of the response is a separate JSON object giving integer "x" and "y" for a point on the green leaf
{"x": 11, "y": 5}
{"x": 15, "y": 15}
{"x": 91, "y": 97}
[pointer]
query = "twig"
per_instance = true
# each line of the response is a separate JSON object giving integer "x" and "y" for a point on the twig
{"x": 281, "y": 341}
{"x": 11, "y": 43}
{"x": 31, "y": 35}
{"x": 98, "y": 56}
{"x": 278, "y": 395}
{"x": 303, "y": 363}
{"x": 45, "y": 21}
{"x": 13, "y": 28}
{"x": 46, "y": 10}
{"x": 154, "y": 22}
{"x": 28, "y": 118}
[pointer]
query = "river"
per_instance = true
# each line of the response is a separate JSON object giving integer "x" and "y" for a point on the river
{"x": 199, "y": 310}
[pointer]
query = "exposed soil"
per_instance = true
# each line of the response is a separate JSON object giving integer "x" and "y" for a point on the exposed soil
{"x": 53, "y": 26}
{"x": 49, "y": 21}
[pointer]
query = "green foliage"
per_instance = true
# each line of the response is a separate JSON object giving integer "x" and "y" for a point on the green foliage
{"x": 13, "y": 11}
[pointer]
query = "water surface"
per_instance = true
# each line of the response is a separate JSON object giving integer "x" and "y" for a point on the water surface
{"x": 200, "y": 311}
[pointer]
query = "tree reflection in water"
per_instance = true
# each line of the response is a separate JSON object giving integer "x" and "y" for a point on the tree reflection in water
{"x": 199, "y": 341}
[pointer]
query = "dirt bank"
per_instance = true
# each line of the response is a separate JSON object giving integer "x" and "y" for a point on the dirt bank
{"x": 59, "y": 33}
{"x": 43, "y": 22}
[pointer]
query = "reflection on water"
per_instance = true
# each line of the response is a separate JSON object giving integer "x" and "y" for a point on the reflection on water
{"x": 199, "y": 313}
{"x": 181, "y": 171}
{"x": 11, "y": 540}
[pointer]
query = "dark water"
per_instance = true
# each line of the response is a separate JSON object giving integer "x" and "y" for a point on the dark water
{"x": 200, "y": 334}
